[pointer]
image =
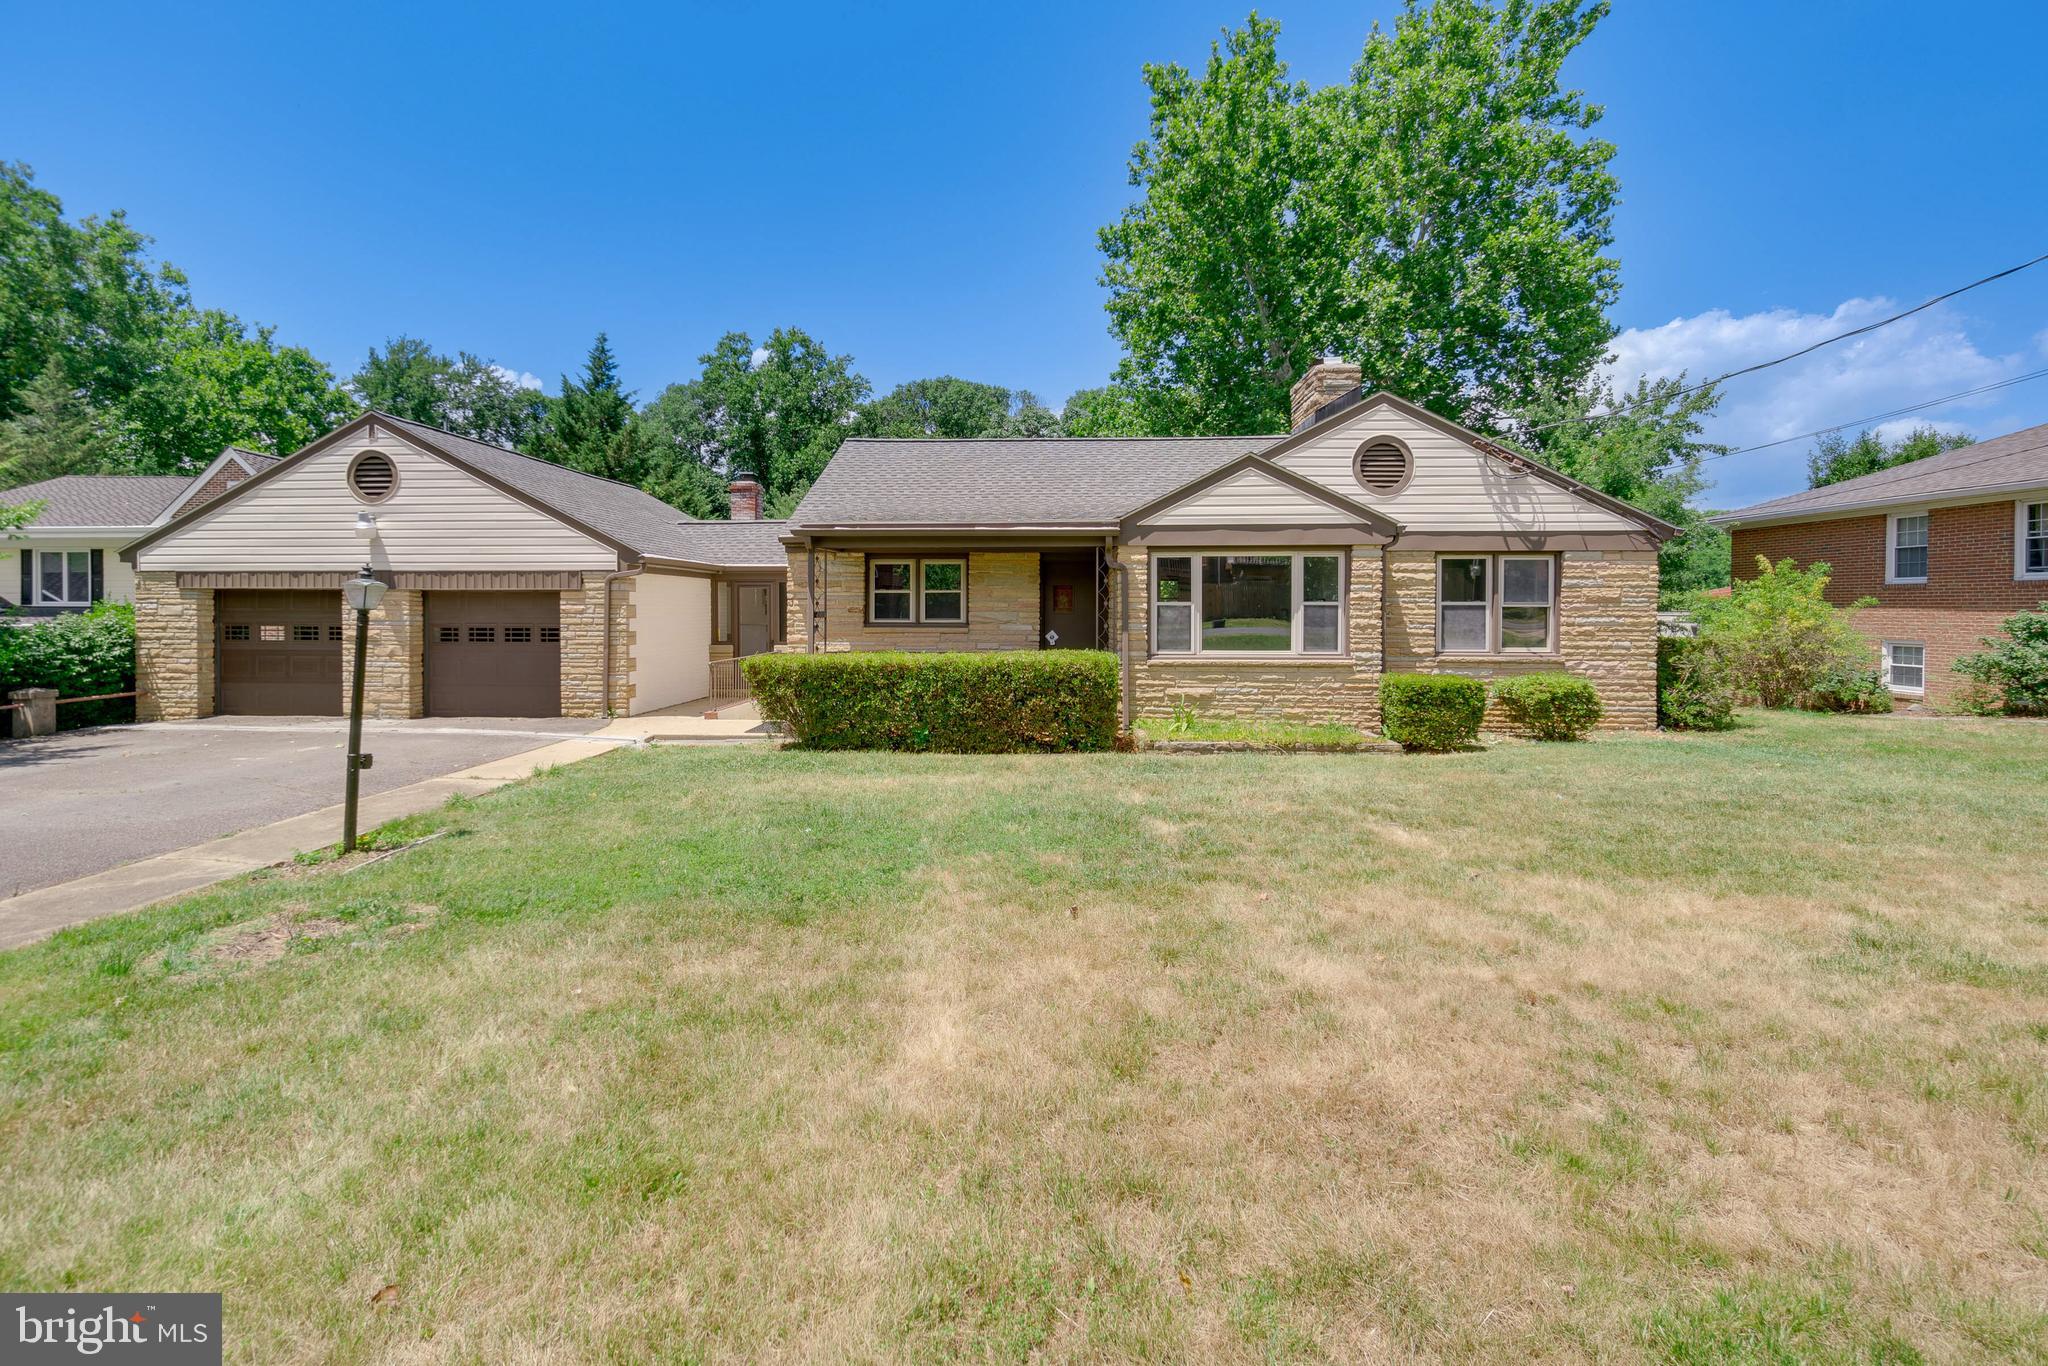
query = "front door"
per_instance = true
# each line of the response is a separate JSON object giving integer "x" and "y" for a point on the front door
{"x": 756, "y": 609}
{"x": 1066, "y": 604}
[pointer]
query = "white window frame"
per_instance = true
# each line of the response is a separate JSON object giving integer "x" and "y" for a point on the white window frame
{"x": 1296, "y": 617}
{"x": 1891, "y": 544}
{"x": 916, "y": 564}
{"x": 1921, "y": 646}
{"x": 2019, "y": 538}
{"x": 75, "y": 594}
{"x": 1496, "y": 587}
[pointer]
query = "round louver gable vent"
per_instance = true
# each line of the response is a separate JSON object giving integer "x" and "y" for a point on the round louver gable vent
{"x": 372, "y": 477}
{"x": 1384, "y": 465}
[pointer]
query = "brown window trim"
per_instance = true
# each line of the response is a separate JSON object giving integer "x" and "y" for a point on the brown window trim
{"x": 915, "y": 559}
{"x": 1494, "y": 582}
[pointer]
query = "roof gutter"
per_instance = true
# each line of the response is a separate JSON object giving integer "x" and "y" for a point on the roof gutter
{"x": 1953, "y": 497}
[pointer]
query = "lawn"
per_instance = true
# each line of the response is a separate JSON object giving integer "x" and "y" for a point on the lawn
{"x": 1692, "y": 1048}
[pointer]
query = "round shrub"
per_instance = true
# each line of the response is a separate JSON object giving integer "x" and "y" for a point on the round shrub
{"x": 1431, "y": 712}
{"x": 1550, "y": 706}
{"x": 1696, "y": 688}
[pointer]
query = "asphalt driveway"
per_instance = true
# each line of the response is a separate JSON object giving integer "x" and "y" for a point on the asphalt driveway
{"x": 84, "y": 801}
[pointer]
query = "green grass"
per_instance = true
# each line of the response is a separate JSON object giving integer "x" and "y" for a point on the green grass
{"x": 1684, "y": 1048}
{"x": 1273, "y": 734}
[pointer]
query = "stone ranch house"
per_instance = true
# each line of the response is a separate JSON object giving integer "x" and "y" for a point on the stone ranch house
{"x": 1274, "y": 576}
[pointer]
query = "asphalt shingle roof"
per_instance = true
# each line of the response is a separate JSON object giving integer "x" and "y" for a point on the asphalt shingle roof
{"x": 2002, "y": 462}
{"x": 1003, "y": 481}
{"x": 628, "y": 515}
{"x": 99, "y": 499}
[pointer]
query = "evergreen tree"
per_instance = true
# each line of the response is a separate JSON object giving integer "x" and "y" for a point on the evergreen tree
{"x": 590, "y": 424}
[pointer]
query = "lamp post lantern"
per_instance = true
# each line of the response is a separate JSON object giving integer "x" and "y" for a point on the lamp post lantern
{"x": 362, "y": 593}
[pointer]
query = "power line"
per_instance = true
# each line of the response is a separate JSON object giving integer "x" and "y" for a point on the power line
{"x": 1877, "y": 417}
{"x": 1802, "y": 351}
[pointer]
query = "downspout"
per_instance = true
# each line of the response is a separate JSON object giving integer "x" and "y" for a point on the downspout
{"x": 609, "y": 580}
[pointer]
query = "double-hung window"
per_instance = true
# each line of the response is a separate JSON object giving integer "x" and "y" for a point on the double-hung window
{"x": 1487, "y": 604}
{"x": 63, "y": 578}
{"x": 1905, "y": 666}
{"x": 1906, "y": 556}
{"x": 1248, "y": 603}
{"x": 2031, "y": 542}
{"x": 917, "y": 590}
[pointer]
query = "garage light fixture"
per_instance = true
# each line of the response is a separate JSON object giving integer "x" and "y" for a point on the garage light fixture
{"x": 366, "y": 524}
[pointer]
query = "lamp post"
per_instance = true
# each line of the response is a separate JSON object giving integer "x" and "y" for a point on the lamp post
{"x": 363, "y": 593}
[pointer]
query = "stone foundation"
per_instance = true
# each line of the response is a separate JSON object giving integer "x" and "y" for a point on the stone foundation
{"x": 394, "y": 674}
{"x": 583, "y": 671}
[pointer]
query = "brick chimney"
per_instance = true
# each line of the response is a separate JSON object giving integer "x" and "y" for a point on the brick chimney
{"x": 746, "y": 496}
{"x": 1325, "y": 380}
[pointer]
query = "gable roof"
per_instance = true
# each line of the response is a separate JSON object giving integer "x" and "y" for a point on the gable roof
{"x": 1255, "y": 463}
{"x": 1087, "y": 483}
{"x": 1053, "y": 481}
{"x": 730, "y": 545}
{"x": 255, "y": 462}
{"x": 99, "y": 500}
{"x": 2015, "y": 461}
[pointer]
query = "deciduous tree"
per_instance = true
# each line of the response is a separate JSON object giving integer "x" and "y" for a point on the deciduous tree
{"x": 466, "y": 394}
{"x": 1837, "y": 457}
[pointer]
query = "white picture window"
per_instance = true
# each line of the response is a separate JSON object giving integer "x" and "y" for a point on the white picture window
{"x": 63, "y": 578}
{"x": 1905, "y": 666}
{"x": 1248, "y": 603}
{"x": 1907, "y": 556}
{"x": 917, "y": 590}
{"x": 1488, "y": 604}
{"x": 2031, "y": 541}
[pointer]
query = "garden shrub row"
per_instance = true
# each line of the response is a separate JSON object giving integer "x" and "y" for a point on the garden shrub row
{"x": 80, "y": 654}
{"x": 1550, "y": 706}
{"x": 983, "y": 703}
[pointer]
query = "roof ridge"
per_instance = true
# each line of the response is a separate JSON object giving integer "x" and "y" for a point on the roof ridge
{"x": 1878, "y": 480}
{"x": 507, "y": 450}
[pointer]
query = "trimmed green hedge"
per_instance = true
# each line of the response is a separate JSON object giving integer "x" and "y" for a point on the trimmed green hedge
{"x": 1433, "y": 712}
{"x": 80, "y": 654}
{"x": 989, "y": 703}
{"x": 1550, "y": 706}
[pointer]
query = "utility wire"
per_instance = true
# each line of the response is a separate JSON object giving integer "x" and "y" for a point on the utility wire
{"x": 1876, "y": 417}
{"x": 1802, "y": 351}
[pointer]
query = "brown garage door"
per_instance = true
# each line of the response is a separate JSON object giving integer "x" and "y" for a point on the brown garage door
{"x": 280, "y": 653}
{"x": 494, "y": 654}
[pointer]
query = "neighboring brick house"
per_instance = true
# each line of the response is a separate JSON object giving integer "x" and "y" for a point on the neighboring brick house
{"x": 517, "y": 587}
{"x": 1270, "y": 576}
{"x": 1949, "y": 546}
{"x": 68, "y": 558}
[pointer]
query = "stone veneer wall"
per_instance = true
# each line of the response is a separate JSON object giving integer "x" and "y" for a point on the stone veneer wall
{"x": 1343, "y": 689}
{"x": 173, "y": 649}
{"x": 583, "y": 665}
{"x": 394, "y": 675}
{"x": 1002, "y": 605}
{"x": 1607, "y": 631}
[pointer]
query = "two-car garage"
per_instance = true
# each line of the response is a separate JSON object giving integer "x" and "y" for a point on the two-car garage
{"x": 486, "y": 654}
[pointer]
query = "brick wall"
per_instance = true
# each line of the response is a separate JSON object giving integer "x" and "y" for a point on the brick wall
{"x": 1607, "y": 631}
{"x": 1970, "y": 586}
{"x": 394, "y": 673}
{"x": 1344, "y": 689}
{"x": 224, "y": 478}
{"x": 173, "y": 649}
{"x": 1002, "y": 605}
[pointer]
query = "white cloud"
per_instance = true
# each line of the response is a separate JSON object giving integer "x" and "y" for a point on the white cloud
{"x": 760, "y": 357}
{"x": 522, "y": 378}
{"x": 1922, "y": 357}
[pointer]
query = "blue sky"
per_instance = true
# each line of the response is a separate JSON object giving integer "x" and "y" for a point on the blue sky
{"x": 919, "y": 185}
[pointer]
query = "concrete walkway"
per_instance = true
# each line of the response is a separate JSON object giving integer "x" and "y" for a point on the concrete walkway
{"x": 132, "y": 886}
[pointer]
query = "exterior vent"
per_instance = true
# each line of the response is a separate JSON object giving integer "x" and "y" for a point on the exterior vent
{"x": 1384, "y": 466}
{"x": 372, "y": 477}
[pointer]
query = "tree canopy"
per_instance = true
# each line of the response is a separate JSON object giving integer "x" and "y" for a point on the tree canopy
{"x": 948, "y": 406}
{"x": 1837, "y": 457}
{"x": 465, "y": 394}
{"x": 1441, "y": 220}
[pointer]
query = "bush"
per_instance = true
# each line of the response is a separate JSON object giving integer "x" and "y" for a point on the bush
{"x": 1780, "y": 634}
{"x": 1434, "y": 712}
{"x": 1849, "y": 688}
{"x": 1550, "y": 706}
{"x": 1696, "y": 690}
{"x": 79, "y": 654}
{"x": 2015, "y": 667}
{"x": 993, "y": 703}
